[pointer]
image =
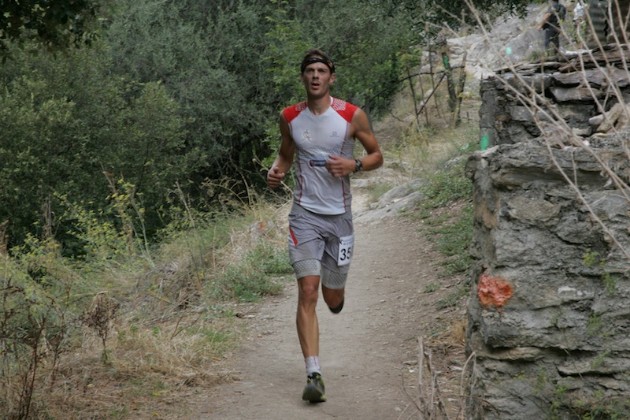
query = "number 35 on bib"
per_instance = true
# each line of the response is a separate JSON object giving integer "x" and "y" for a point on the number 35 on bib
{"x": 345, "y": 250}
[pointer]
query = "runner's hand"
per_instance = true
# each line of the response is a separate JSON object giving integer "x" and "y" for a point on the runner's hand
{"x": 338, "y": 166}
{"x": 274, "y": 177}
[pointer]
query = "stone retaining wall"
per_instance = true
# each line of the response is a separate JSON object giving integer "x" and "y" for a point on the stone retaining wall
{"x": 549, "y": 313}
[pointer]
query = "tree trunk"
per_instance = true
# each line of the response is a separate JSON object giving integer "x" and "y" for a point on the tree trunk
{"x": 450, "y": 83}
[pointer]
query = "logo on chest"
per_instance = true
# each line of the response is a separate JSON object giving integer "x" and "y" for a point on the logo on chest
{"x": 306, "y": 136}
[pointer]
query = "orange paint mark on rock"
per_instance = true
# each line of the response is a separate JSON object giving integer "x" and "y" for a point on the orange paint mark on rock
{"x": 493, "y": 291}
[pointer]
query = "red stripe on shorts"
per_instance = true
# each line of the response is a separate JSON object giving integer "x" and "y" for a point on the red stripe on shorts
{"x": 293, "y": 238}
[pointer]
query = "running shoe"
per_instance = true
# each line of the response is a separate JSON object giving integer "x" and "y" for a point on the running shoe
{"x": 337, "y": 308}
{"x": 314, "y": 391}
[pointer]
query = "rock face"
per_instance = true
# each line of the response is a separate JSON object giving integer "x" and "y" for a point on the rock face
{"x": 510, "y": 38}
{"x": 549, "y": 311}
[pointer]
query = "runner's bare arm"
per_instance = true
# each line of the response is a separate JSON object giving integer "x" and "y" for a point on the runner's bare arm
{"x": 282, "y": 164}
{"x": 363, "y": 132}
{"x": 359, "y": 129}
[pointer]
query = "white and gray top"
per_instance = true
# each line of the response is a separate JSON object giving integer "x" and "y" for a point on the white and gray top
{"x": 316, "y": 138}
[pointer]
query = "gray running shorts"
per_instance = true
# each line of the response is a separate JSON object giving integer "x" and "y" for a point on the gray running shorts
{"x": 324, "y": 238}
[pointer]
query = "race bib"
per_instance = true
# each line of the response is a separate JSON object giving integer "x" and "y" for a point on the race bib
{"x": 345, "y": 250}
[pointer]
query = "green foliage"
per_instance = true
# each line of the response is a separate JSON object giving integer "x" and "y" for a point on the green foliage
{"x": 174, "y": 93}
{"x": 219, "y": 340}
{"x": 288, "y": 43}
{"x": 592, "y": 259}
{"x": 453, "y": 232}
{"x": 431, "y": 287}
{"x": 208, "y": 59}
{"x": 272, "y": 260}
{"x": 251, "y": 278}
{"x": 54, "y": 24}
{"x": 594, "y": 325}
{"x": 69, "y": 130}
{"x": 448, "y": 185}
{"x": 455, "y": 297}
{"x": 366, "y": 47}
{"x": 559, "y": 393}
{"x": 453, "y": 240}
{"x": 97, "y": 235}
{"x": 610, "y": 282}
{"x": 429, "y": 16}
{"x": 596, "y": 406}
{"x": 576, "y": 403}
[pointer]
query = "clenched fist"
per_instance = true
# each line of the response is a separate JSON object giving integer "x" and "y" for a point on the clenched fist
{"x": 274, "y": 177}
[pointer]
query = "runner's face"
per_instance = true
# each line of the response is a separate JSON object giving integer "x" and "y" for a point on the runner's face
{"x": 317, "y": 80}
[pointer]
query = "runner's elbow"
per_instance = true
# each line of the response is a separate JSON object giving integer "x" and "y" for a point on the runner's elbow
{"x": 374, "y": 161}
{"x": 379, "y": 161}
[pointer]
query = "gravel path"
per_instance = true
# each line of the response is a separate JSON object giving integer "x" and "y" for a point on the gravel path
{"x": 369, "y": 352}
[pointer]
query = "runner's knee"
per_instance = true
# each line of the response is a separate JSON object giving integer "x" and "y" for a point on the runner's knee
{"x": 308, "y": 290}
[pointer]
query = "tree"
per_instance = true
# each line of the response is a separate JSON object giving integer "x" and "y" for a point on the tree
{"x": 175, "y": 91}
{"x": 68, "y": 129}
{"x": 430, "y": 16}
{"x": 51, "y": 23}
{"x": 365, "y": 46}
{"x": 207, "y": 55}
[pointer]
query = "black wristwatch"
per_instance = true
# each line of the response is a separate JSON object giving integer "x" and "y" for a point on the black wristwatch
{"x": 358, "y": 165}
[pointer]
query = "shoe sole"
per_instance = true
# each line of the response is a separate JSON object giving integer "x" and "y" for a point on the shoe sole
{"x": 313, "y": 395}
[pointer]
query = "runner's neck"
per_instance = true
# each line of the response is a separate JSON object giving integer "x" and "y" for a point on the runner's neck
{"x": 319, "y": 105}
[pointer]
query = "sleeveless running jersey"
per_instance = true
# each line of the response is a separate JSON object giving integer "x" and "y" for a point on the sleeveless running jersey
{"x": 316, "y": 138}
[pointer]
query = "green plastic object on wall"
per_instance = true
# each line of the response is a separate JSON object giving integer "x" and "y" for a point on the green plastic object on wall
{"x": 483, "y": 143}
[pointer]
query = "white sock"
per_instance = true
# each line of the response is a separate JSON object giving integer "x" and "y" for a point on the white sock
{"x": 312, "y": 365}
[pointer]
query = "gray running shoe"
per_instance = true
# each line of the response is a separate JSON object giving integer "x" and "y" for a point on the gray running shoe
{"x": 314, "y": 391}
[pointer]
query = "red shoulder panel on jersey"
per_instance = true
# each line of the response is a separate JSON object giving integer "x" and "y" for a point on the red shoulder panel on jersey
{"x": 290, "y": 112}
{"x": 345, "y": 109}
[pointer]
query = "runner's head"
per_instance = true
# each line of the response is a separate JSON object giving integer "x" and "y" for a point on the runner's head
{"x": 316, "y": 56}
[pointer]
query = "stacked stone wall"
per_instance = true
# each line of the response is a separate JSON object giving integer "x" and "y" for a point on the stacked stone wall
{"x": 549, "y": 313}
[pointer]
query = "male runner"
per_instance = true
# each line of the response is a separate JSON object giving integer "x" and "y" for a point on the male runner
{"x": 320, "y": 133}
{"x": 551, "y": 25}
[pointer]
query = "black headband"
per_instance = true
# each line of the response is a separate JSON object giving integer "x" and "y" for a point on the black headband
{"x": 317, "y": 59}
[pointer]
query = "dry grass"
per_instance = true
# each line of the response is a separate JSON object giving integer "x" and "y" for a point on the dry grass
{"x": 150, "y": 367}
{"x": 166, "y": 332}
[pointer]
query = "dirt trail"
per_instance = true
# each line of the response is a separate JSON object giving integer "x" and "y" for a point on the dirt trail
{"x": 369, "y": 352}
